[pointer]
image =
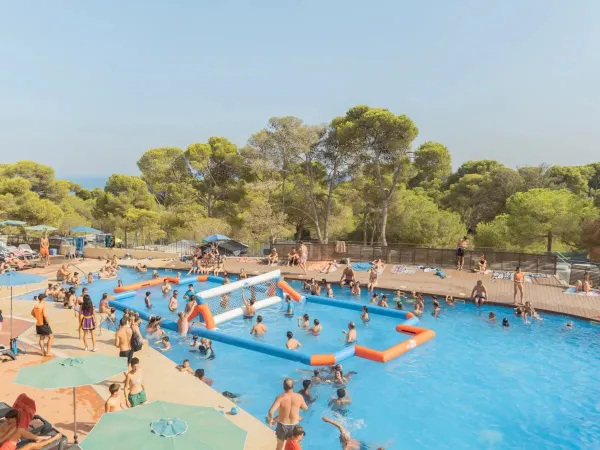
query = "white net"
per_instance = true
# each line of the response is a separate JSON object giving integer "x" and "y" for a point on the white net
{"x": 231, "y": 296}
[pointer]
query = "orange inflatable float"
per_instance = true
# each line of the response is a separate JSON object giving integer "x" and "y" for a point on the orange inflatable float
{"x": 419, "y": 336}
{"x": 154, "y": 282}
{"x": 204, "y": 311}
{"x": 281, "y": 284}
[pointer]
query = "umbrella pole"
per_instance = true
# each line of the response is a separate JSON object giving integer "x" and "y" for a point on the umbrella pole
{"x": 11, "y": 314}
{"x": 75, "y": 439}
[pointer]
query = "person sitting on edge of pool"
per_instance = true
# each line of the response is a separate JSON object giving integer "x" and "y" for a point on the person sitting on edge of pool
{"x": 164, "y": 341}
{"x": 289, "y": 307}
{"x": 365, "y": 314}
{"x": 292, "y": 343}
{"x": 350, "y": 334}
{"x": 166, "y": 287}
{"x": 305, "y": 392}
{"x": 492, "y": 317}
{"x": 341, "y": 401}
{"x": 505, "y": 322}
{"x": 304, "y": 321}
{"x": 185, "y": 367}
{"x": 316, "y": 328}
{"x": 450, "y": 300}
{"x": 531, "y": 311}
{"x": 383, "y": 301}
{"x": 479, "y": 293}
{"x": 147, "y": 300}
{"x": 173, "y": 301}
{"x": 259, "y": 328}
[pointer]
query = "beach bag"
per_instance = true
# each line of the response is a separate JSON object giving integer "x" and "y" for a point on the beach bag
{"x": 136, "y": 342}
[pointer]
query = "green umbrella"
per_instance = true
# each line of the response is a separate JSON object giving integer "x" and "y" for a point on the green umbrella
{"x": 163, "y": 425}
{"x": 61, "y": 373}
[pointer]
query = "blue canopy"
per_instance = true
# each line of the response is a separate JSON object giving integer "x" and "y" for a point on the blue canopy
{"x": 19, "y": 279}
{"x": 15, "y": 223}
{"x": 216, "y": 238}
{"x": 41, "y": 228}
{"x": 84, "y": 229}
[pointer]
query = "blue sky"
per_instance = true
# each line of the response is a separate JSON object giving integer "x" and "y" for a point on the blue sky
{"x": 87, "y": 87}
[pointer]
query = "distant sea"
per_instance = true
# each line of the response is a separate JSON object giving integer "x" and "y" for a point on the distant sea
{"x": 88, "y": 182}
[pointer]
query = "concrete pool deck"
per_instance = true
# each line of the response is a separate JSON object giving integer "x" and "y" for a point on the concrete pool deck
{"x": 161, "y": 380}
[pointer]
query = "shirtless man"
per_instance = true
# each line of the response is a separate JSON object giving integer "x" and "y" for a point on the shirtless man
{"x": 288, "y": 406}
{"x": 114, "y": 403}
{"x": 479, "y": 293}
{"x": 350, "y": 334}
{"x": 463, "y": 244}
{"x": 183, "y": 323}
{"x": 305, "y": 392}
{"x": 292, "y": 343}
{"x": 166, "y": 287}
{"x": 258, "y": 328}
{"x": 191, "y": 304}
{"x": 373, "y": 278}
{"x": 63, "y": 274}
{"x": 316, "y": 328}
{"x": 519, "y": 280}
{"x": 341, "y": 401}
{"x": 173, "y": 302}
{"x": 347, "y": 276}
{"x": 249, "y": 310}
{"x": 123, "y": 340}
{"x": 45, "y": 250}
{"x": 347, "y": 442}
{"x": 303, "y": 250}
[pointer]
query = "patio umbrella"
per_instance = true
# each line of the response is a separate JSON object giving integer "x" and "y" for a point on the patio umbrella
{"x": 84, "y": 229}
{"x": 61, "y": 373}
{"x": 164, "y": 425}
{"x": 15, "y": 223}
{"x": 216, "y": 238}
{"x": 17, "y": 279}
{"x": 41, "y": 228}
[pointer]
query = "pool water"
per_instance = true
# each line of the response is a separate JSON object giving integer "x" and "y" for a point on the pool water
{"x": 476, "y": 385}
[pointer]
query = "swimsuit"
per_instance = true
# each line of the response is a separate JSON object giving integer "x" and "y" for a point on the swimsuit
{"x": 460, "y": 251}
{"x": 284, "y": 431}
{"x": 137, "y": 399}
{"x": 8, "y": 445}
{"x": 41, "y": 326}
{"x": 126, "y": 354}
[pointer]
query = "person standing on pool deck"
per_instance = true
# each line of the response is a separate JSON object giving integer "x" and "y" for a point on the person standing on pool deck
{"x": 479, "y": 293}
{"x": 42, "y": 327}
{"x": 292, "y": 343}
{"x": 303, "y": 250}
{"x": 519, "y": 280}
{"x": 45, "y": 250}
{"x": 288, "y": 406}
{"x": 123, "y": 340}
{"x": 460, "y": 252}
{"x": 350, "y": 334}
{"x": 258, "y": 328}
{"x": 135, "y": 394}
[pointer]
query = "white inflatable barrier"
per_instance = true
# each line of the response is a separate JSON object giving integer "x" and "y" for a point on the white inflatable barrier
{"x": 238, "y": 285}
{"x": 237, "y": 312}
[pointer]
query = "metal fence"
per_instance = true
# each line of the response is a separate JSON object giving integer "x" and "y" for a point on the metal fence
{"x": 33, "y": 242}
{"x": 578, "y": 272}
{"x": 395, "y": 254}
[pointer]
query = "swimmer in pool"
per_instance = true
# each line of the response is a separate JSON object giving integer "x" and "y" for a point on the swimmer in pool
{"x": 449, "y": 300}
{"x": 164, "y": 341}
{"x": 329, "y": 290}
{"x": 505, "y": 322}
{"x": 194, "y": 342}
{"x": 374, "y": 298}
{"x": 383, "y": 301}
{"x": 365, "y": 314}
{"x": 289, "y": 311}
{"x": 316, "y": 377}
{"x": 399, "y": 305}
{"x": 316, "y": 328}
{"x": 417, "y": 310}
{"x": 341, "y": 401}
{"x": 292, "y": 343}
{"x": 304, "y": 321}
{"x": 185, "y": 367}
{"x": 147, "y": 300}
{"x": 347, "y": 442}
{"x": 249, "y": 310}
{"x": 350, "y": 334}
{"x": 569, "y": 325}
{"x": 259, "y": 328}
{"x": 305, "y": 392}
{"x": 173, "y": 302}
{"x": 492, "y": 317}
{"x": 166, "y": 287}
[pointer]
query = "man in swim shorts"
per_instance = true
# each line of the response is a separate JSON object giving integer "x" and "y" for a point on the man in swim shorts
{"x": 288, "y": 406}
{"x": 258, "y": 328}
{"x": 45, "y": 250}
{"x": 347, "y": 276}
{"x": 303, "y": 250}
{"x": 460, "y": 252}
{"x": 123, "y": 340}
{"x": 479, "y": 293}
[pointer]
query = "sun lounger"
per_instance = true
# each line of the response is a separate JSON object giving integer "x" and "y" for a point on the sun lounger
{"x": 40, "y": 427}
{"x": 7, "y": 352}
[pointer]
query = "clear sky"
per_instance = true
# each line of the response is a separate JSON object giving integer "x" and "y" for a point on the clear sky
{"x": 88, "y": 86}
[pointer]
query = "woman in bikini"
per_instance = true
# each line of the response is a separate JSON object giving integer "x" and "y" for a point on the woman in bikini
{"x": 135, "y": 394}
{"x": 87, "y": 321}
{"x": 519, "y": 280}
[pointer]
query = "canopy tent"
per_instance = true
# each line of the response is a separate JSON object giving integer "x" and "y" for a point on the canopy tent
{"x": 84, "y": 229}
{"x": 14, "y": 223}
{"x": 17, "y": 279}
{"x": 41, "y": 228}
{"x": 216, "y": 238}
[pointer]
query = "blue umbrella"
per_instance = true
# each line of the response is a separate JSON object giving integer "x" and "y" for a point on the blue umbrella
{"x": 216, "y": 238}
{"x": 84, "y": 229}
{"x": 12, "y": 222}
{"x": 17, "y": 279}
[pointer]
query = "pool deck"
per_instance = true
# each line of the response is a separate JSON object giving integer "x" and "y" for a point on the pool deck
{"x": 161, "y": 380}
{"x": 545, "y": 294}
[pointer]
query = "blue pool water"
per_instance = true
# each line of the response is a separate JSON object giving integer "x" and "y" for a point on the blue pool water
{"x": 474, "y": 386}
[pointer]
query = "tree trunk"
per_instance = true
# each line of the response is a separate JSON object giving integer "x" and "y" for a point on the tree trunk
{"x": 385, "y": 198}
{"x": 365, "y": 228}
{"x": 383, "y": 225}
{"x": 373, "y": 230}
{"x": 328, "y": 205}
{"x": 549, "y": 246}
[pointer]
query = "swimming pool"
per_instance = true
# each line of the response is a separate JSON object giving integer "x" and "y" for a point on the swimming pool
{"x": 476, "y": 385}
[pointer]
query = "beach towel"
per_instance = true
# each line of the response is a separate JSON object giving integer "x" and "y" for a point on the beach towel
{"x": 574, "y": 291}
{"x": 397, "y": 269}
{"x": 429, "y": 269}
{"x": 409, "y": 270}
{"x": 440, "y": 274}
{"x": 362, "y": 267}
{"x": 26, "y": 408}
